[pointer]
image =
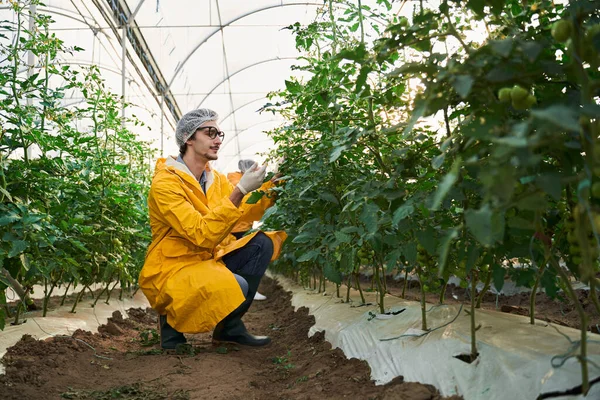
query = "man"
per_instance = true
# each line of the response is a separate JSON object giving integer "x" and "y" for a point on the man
{"x": 258, "y": 211}
{"x": 197, "y": 275}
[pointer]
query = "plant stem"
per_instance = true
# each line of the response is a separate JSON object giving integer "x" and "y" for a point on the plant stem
{"x": 100, "y": 295}
{"x": 357, "y": 283}
{"x": 593, "y": 296}
{"x": 474, "y": 352}
{"x": 423, "y": 306}
{"x": 583, "y": 318}
{"x": 78, "y": 298}
{"x": 379, "y": 289}
{"x": 360, "y": 21}
{"x": 486, "y": 287}
{"x": 62, "y": 302}
{"x": 405, "y": 283}
{"x": 534, "y": 294}
{"x": 111, "y": 290}
{"x": 443, "y": 292}
{"x": 47, "y": 295}
{"x": 349, "y": 284}
{"x": 333, "y": 27}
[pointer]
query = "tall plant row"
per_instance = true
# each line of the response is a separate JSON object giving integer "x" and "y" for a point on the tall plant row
{"x": 420, "y": 146}
{"x": 73, "y": 178}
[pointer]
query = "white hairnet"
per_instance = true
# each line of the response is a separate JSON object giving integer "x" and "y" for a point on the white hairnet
{"x": 245, "y": 165}
{"x": 191, "y": 121}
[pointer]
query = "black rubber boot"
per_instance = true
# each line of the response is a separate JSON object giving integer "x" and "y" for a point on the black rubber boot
{"x": 232, "y": 329}
{"x": 169, "y": 337}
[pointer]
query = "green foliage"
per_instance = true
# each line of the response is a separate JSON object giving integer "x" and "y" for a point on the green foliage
{"x": 149, "y": 337}
{"x": 514, "y": 154}
{"x": 73, "y": 179}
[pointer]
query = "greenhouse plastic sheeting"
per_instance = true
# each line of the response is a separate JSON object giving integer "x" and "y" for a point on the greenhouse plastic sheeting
{"x": 514, "y": 357}
{"x": 63, "y": 322}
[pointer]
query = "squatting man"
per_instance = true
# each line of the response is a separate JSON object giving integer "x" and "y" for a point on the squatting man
{"x": 197, "y": 275}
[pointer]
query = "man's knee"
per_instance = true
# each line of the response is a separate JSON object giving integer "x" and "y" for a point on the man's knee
{"x": 265, "y": 243}
{"x": 243, "y": 284}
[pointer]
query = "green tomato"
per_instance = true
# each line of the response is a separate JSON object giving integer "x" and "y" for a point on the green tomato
{"x": 504, "y": 95}
{"x": 520, "y": 104}
{"x": 531, "y": 101}
{"x": 403, "y": 22}
{"x": 574, "y": 250}
{"x": 570, "y": 223}
{"x": 518, "y": 93}
{"x": 561, "y": 30}
{"x": 576, "y": 260}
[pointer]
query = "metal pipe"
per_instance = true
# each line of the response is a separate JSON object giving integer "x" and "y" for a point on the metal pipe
{"x": 30, "y": 64}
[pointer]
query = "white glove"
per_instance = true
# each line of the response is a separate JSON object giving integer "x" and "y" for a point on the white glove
{"x": 252, "y": 179}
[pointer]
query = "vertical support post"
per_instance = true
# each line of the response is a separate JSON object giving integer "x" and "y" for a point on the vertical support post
{"x": 123, "y": 70}
{"x": 30, "y": 63}
{"x": 162, "y": 124}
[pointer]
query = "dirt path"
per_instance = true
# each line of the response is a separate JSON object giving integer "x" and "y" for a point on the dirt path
{"x": 120, "y": 367}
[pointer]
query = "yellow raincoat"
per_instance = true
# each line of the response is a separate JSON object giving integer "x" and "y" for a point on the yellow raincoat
{"x": 257, "y": 212}
{"x": 183, "y": 275}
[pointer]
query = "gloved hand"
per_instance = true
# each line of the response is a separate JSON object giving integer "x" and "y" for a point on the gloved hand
{"x": 252, "y": 179}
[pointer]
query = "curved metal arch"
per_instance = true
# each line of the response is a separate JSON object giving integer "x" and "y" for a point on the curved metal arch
{"x": 240, "y": 107}
{"x": 241, "y": 70}
{"x": 89, "y": 63}
{"x": 59, "y": 11}
{"x": 211, "y": 34}
{"x": 236, "y": 134}
{"x": 233, "y": 157}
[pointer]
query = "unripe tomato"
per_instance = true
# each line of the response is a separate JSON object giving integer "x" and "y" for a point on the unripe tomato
{"x": 520, "y": 104}
{"x": 531, "y": 101}
{"x": 561, "y": 30}
{"x": 518, "y": 93}
{"x": 403, "y": 22}
{"x": 574, "y": 250}
{"x": 570, "y": 223}
{"x": 504, "y": 95}
{"x": 576, "y": 260}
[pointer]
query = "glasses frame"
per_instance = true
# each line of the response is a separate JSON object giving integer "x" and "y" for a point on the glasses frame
{"x": 212, "y": 132}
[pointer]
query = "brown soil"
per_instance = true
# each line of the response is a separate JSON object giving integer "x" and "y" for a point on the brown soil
{"x": 117, "y": 364}
{"x": 556, "y": 311}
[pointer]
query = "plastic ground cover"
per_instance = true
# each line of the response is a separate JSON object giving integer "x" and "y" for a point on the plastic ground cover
{"x": 62, "y": 322}
{"x": 515, "y": 358}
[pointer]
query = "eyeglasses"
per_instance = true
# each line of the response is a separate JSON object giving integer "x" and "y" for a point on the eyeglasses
{"x": 213, "y": 132}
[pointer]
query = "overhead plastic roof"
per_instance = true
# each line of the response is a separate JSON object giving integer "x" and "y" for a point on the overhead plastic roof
{"x": 221, "y": 54}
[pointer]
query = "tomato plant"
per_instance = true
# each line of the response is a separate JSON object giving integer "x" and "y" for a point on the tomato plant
{"x": 443, "y": 154}
{"x": 73, "y": 181}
